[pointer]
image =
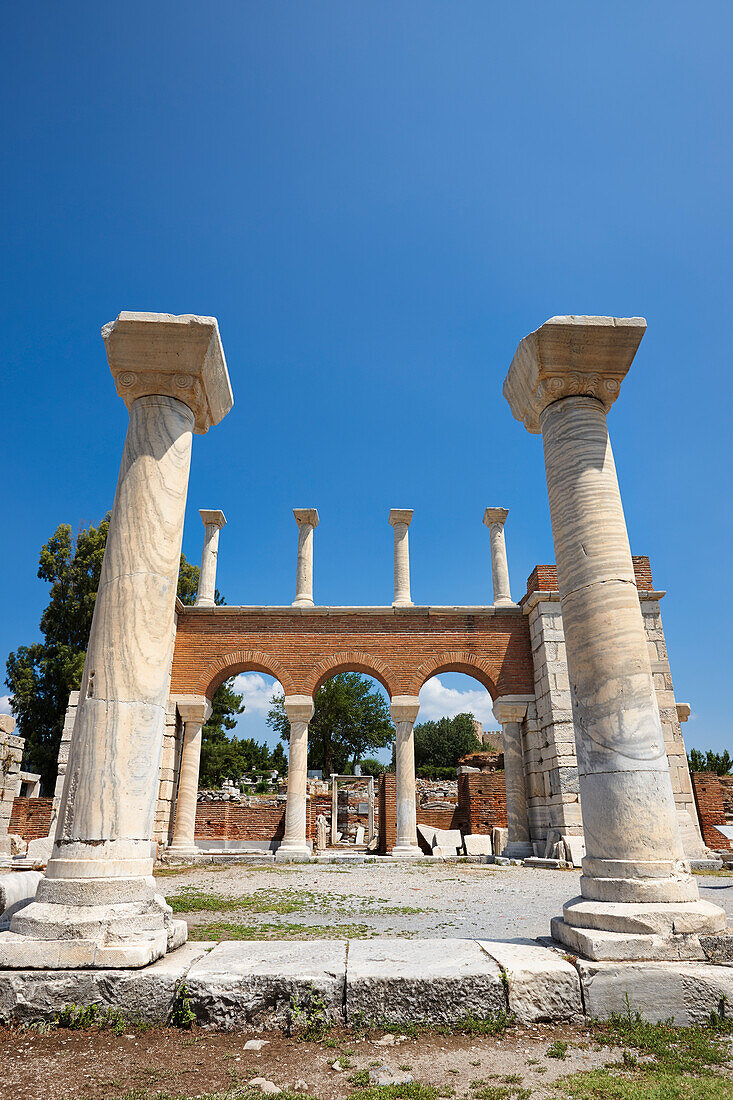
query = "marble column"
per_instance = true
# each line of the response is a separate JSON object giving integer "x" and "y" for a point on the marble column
{"x": 307, "y": 520}
{"x": 510, "y": 711}
{"x": 194, "y": 711}
{"x": 213, "y": 523}
{"x": 97, "y": 905}
{"x": 400, "y": 519}
{"x": 636, "y": 883}
{"x": 495, "y": 518}
{"x": 299, "y": 709}
{"x": 404, "y": 710}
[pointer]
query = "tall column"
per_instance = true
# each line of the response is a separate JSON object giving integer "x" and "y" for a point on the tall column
{"x": 194, "y": 711}
{"x": 213, "y": 523}
{"x": 400, "y": 519}
{"x": 97, "y": 905}
{"x": 299, "y": 709}
{"x": 562, "y": 380}
{"x": 509, "y": 711}
{"x": 495, "y": 518}
{"x": 404, "y": 710}
{"x": 307, "y": 520}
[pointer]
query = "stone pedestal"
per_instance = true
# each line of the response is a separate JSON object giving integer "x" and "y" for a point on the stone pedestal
{"x": 495, "y": 518}
{"x": 299, "y": 709}
{"x": 400, "y": 519}
{"x": 562, "y": 380}
{"x": 194, "y": 711}
{"x": 404, "y": 710}
{"x": 509, "y": 711}
{"x": 307, "y": 520}
{"x": 213, "y": 522}
{"x": 97, "y": 905}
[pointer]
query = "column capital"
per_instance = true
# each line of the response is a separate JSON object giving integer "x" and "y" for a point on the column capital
{"x": 571, "y": 357}
{"x": 299, "y": 708}
{"x": 307, "y": 516}
{"x": 401, "y": 515}
{"x": 511, "y": 708}
{"x": 404, "y": 708}
{"x": 212, "y": 517}
{"x": 153, "y": 354}
{"x": 193, "y": 708}
{"x": 495, "y": 515}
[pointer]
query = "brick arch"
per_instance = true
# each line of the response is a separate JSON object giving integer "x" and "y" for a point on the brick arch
{"x": 455, "y": 661}
{"x": 242, "y": 660}
{"x": 352, "y": 660}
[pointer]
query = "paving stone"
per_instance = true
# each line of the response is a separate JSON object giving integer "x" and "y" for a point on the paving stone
{"x": 542, "y": 985}
{"x": 259, "y": 983}
{"x": 147, "y": 994}
{"x": 434, "y": 981}
{"x": 685, "y": 992}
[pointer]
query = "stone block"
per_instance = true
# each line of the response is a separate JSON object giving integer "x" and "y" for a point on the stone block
{"x": 499, "y": 839}
{"x": 259, "y": 984}
{"x": 685, "y": 992}
{"x": 449, "y": 841}
{"x": 478, "y": 844}
{"x": 542, "y": 985}
{"x": 433, "y": 981}
{"x": 147, "y": 994}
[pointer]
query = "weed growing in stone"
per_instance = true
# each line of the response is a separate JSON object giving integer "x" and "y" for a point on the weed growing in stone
{"x": 79, "y": 1017}
{"x": 308, "y": 1016}
{"x": 232, "y": 930}
{"x": 182, "y": 1015}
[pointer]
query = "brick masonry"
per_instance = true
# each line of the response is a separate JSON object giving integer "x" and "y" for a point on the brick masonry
{"x": 31, "y": 817}
{"x": 714, "y": 800}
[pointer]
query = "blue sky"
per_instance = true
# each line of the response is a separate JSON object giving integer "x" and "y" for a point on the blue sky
{"x": 377, "y": 200}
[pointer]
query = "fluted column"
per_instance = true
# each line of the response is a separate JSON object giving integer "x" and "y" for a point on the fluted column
{"x": 400, "y": 519}
{"x": 97, "y": 905}
{"x": 213, "y": 523}
{"x": 509, "y": 711}
{"x": 194, "y": 711}
{"x": 307, "y": 520}
{"x": 404, "y": 710}
{"x": 562, "y": 380}
{"x": 299, "y": 709}
{"x": 495, "y": 518}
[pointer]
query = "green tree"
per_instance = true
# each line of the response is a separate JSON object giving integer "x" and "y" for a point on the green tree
{"x": 349, "y": 719}
{"x": 720, "y": 763}
{"x": 441, "y": 744}
{"x": 41, "y": 676}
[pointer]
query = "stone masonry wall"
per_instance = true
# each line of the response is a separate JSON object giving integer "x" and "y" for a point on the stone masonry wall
{"x": 11, "y": 751}
{"x": 31, "y": 817}
{"x": 169, "y": 766}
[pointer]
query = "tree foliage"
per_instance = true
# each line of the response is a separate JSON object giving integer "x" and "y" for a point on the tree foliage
{"x": 440, "y": 744}
{"x": 350, "y": 718}
{"x": 41, "y": 676}
{"x": 710, "y": 761}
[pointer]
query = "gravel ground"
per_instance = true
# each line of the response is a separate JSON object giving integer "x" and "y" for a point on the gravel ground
{"x": 425, "y": 900}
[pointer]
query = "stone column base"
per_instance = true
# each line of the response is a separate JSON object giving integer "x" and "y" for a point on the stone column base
{"x": 296, "y": 854}
{"x": 621, "y": 931}
{"x": 407, "y": 851}
{"x": 185, "y": 852}
{"x": 517, "y": 849}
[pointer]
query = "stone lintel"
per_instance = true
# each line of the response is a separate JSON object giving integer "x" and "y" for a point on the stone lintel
{"x": 214, "y": 516}
{"x": 401, "y": 515}
{"x": 511, "y": 708}
{"x": 495, "y": 515}
{"x": 162, "y": 354}
{"x": 571, "y": 357}
{"x": 299, "y": 708}
{"x": 306, "y": 515}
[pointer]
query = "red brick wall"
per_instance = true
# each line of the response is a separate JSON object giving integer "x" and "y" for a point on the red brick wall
{"x": 543, "y": 578}
{"x": 304, "y": 648}
{"x": 31, "y": 817}
{"x": 235, "y": 821}
{"x": 708, "y": 790}
{"x": 387, "y": 812}
{"x": 482, "y": 801}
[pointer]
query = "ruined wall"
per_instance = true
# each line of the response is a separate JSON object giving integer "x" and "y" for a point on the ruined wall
{"x": 11, "y": 752}
{"x": 481, "y": 801}
{"x": 31, "y": 817}
{"x": 714, "y": 806}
